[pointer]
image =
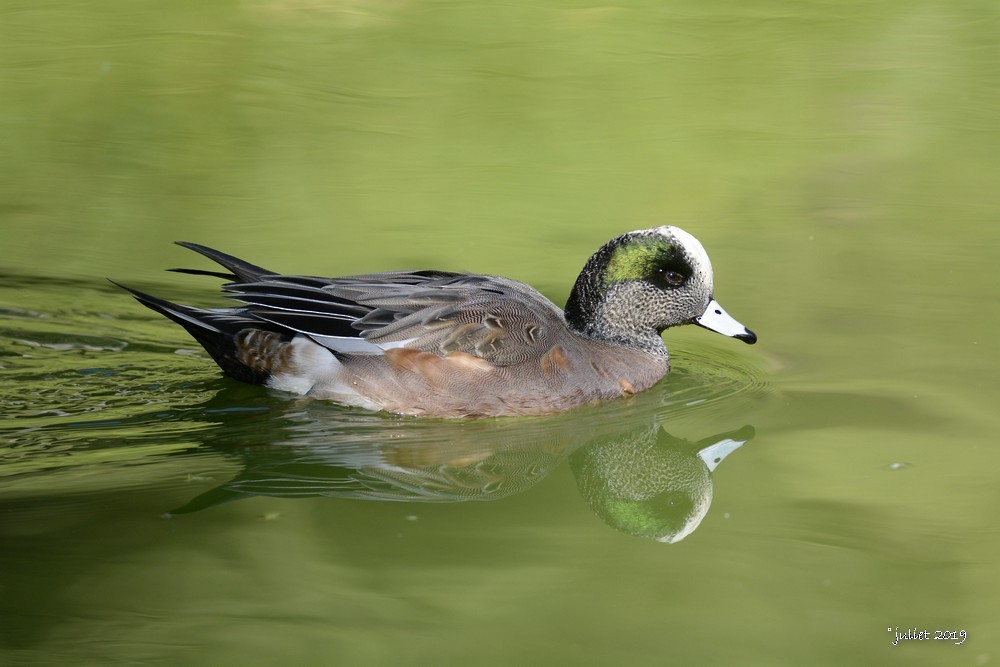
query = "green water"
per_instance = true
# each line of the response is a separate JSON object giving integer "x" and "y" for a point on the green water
{"x": 839, "y": 162}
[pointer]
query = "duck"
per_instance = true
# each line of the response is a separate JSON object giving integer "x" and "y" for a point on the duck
{"x": 459, "y": 345}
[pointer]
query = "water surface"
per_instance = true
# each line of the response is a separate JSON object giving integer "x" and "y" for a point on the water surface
{"x": 810, "y": 495}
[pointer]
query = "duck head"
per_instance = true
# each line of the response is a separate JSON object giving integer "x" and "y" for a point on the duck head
{"x": 640, "y": 283}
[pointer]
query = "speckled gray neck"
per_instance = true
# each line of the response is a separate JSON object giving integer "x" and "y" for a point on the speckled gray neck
{"x": 616, "y": 318}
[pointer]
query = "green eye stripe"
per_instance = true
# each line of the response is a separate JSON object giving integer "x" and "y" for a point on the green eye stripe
{"x": 640, "y": 259}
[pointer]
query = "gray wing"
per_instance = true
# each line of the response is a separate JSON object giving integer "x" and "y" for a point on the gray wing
{"x": 496, "y": 319}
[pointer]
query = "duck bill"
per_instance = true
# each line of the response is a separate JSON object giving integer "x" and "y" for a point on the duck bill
{"x": 719, "y": 321}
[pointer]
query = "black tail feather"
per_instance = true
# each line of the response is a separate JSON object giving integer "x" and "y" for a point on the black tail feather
{"x": 215, "y": 330}
{"x": 195, "y": 320}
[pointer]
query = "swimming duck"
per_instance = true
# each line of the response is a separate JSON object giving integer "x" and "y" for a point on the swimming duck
{"x": 442, "y": 344}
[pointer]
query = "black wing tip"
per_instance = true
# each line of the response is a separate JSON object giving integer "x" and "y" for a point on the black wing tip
{"x": 241, "y": 270}
{"x": 202, "y": 272}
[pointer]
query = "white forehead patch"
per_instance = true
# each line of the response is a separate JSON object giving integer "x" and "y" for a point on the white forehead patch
{"x": 691, "y": 244}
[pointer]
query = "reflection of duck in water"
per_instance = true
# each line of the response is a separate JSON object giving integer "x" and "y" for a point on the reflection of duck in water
{"x": 649, "y": 486}
{"x": 642, "y": 482}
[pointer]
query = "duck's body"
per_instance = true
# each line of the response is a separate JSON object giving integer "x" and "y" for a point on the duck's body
{"x": 459, "y": 384}
{"x": 440, "y": 344}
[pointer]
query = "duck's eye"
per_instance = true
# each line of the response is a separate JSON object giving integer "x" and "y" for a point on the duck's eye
{"x": 670, "y": 278}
